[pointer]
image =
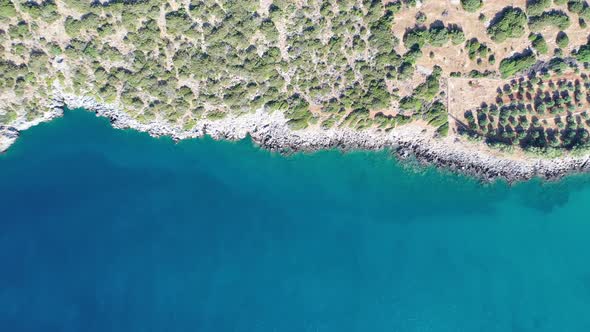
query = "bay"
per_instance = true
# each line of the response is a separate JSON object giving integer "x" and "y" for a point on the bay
{"x": 112, "y": 230}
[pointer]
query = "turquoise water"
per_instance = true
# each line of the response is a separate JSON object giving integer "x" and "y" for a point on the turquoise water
{"x": 110, "y": 230}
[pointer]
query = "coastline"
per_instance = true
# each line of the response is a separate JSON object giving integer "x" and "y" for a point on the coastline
{"x": 271, "y": 131}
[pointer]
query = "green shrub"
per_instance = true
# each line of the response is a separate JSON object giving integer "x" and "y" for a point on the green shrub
{"x": 554, "y": 18}
{"x": 509, "y": 23}
{"x": 423, "y": 93}
{"x": 329, "y": 122}
{"x": 562, "y": 40}
{"x": 579, "y": 7}
{"x": 436, "y": 115}
{"x": 418, "y": 36}
{"x": 19, "y": 31}
{"x": 471, "y": 5}
{"x": 536, "y": 7}
{"x": 72, "y": 26}
{"x": 45, "y": 10}
{"x": 539, "y": 44}
{"x": 435, "y": 36}
{"x": 7, "y": 9}
{"x": 216, "y": 115}
{"x": 429, "y": 89}
{"x": 405, "y": 71}
{"x": 178, "y": 22}
{"x": 476, "y": 49}
{"x": 411, "y": 103}
{"x": 583, "y": 54}
{"x": 517, "y": 63}
{"x": 443, "y": 130}
{"x": 456, "y": 34}
{"x": 438, "y": 36}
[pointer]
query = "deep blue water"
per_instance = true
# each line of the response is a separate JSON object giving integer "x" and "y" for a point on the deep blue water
{"x": 109, "y": 230}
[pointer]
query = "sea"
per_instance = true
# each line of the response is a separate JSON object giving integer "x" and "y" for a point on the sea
{"x": 113, "y": 230}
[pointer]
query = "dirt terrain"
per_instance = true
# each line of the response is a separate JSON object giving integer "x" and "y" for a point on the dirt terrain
{"x": 465, "y": 94}
{"x": 453, "y": 58}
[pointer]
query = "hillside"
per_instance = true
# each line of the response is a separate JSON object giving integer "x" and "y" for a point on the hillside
{"x": 512, "y": 75}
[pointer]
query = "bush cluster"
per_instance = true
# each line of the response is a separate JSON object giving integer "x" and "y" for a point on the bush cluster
{"x": 509, "y": 23}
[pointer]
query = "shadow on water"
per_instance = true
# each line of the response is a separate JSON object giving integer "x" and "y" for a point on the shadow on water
{"x": 547, "y": 196}
{"x": 377, "y": 181}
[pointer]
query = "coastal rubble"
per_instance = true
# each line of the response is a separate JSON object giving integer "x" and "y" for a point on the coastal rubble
{"x": 8, "y": 136}
{"x": 271, "y": 131}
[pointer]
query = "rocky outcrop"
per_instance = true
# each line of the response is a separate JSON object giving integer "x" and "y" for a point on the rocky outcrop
{"x": 270, "y": 131}
{"x": 487, "y": 167}
{"x": 7, "y": 136}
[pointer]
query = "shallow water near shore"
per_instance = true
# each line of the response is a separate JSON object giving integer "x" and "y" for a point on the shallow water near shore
{"x": 111, "y": 230}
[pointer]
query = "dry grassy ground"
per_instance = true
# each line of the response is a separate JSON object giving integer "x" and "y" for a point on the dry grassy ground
{"x": 467, "y": 94}
{"x": 454, "y": 58}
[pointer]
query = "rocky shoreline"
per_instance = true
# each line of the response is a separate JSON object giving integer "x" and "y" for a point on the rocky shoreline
{"x": 270, "y": 131}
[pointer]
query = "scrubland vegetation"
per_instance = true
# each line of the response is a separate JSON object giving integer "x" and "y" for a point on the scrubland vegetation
{"x": 184, "y": 61}
{"x": 321, "y": 63}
